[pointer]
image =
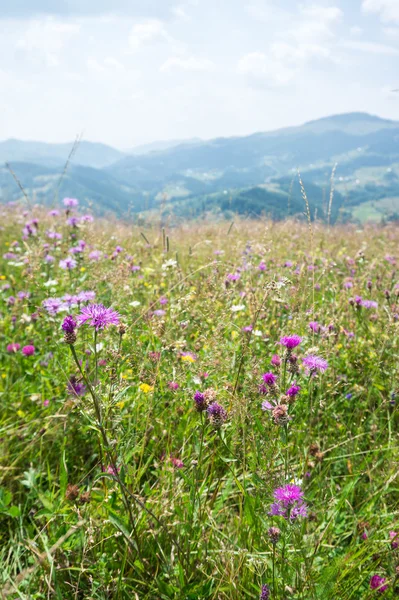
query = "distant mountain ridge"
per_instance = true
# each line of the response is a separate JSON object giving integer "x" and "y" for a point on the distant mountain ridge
{"x": 91, "y": 154}
{"x": 226, "y": 174}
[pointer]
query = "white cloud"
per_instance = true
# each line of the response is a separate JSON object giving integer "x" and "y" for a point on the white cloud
{"x": 371, "y": 47}
{"x": 44, "y": 39}
{"x": 146, "y": 32}
{"x": 187, "y": 64}
{"x": 263, "y": 69}
{"x": 356, "y": 30}
{"x": 311, "y": 35}
{"x": 387, "y": 9}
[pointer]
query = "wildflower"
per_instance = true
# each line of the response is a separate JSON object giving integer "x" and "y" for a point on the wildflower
{"x": 163, "y": 300}
{"x": 269, "y": 378}
{"x": 274, "y": 535}
{"x": 28, "y": 350}
{"x": 144, "y": 387}
{"x": 247, "y": 329}
{"x": 75, "y": 387}
{"x": 13, "y": 347}
{"x": 188, "y": 357}
{"x": 217, "y": 414}
{"x": 289, "y": 502}
{"x": 69, "y": 263}
{"x": 276, "y": 360}
{"x": 262, "y": 266}
{"x": 293, "y": 390}
{"x": 95, "y": 255}
{"x": 176, "y": 462}
{"x": 73, "y": 221}
{"x": 378, "y": 583}
{"x": 49, "y": 259}
{"x": 159, "y": 312}
{"x": 280, "y": 414}
{"x": 172, "y": 385}
{"x": 314, "y": 363}
{"x": 369, "y": 304}
{"x": 315, "y": 326}
{"x": 53, "y": 305}
{"x": 200, "y": 401}
{"x": 69, "y": 325}
{"x": 70, "y": 202}
{"x": 54, "y": 213}
{"x": 290, "y": 341}
{"x": 265, "y": 592}
{"x": 99, "y": 316}
{"x": 86, "y": 219}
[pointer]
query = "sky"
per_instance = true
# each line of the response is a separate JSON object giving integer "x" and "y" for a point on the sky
{"x": 128, "y": 72}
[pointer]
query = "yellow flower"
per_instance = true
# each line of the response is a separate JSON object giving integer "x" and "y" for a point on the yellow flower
{"x": 4, "y": 375}
{"x": 2, "y": 277}
{"x": 234, "y": 334}
{"x": 188, "y": 358}
{"x": 20, "y": 413}
{"x": 120, "y": 404}
{"x": 144, "y": 387}
{"x": 82, "y": 269}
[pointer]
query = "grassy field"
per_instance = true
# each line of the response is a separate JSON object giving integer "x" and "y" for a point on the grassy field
{"x": 224, "y": 426}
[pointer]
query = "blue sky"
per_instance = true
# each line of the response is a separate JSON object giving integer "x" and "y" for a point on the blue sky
{"x": 148, "y": 70}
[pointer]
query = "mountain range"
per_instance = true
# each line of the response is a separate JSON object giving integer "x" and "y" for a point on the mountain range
{"x": 252, "y": 175}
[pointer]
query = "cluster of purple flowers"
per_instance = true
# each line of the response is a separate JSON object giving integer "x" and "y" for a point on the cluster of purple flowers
{"x": 289, "y": 503}
{"x": 55, "y": 305}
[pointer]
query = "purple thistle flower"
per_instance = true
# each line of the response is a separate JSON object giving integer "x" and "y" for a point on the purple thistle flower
{"x": 262, "y": 266}
{"x": 288, "y": 495}
{"x": 276, "y": 360}
{"x": 69, "y": 263}
{"x": 85, "y": 296}
{"x": 53, "y": 305}
{"x": 95, "y": 255}
{"x": 99, "y": 316}
{"x": 70, "y": 202}
{"x": 314, "y": 326}
{"x": 49, "y": 259}
{"x": 289, "y": 503}
{"x": 290, "y": 341}
{"x": 369, "y": 304}
{"x": 87, "y": 219}
{"x": 200, "y": 401}
{"x": 217, "y": 414}
{"x": 293, "y": 390}
{"x": 54, "y": 213}
{"x": 269, "y": 378}
{"x": 265, "y": 592}
{"x": 159, "y": 312}
{"x": 69, "y": 324}
{"x": 314, "y": 363}
{"x": 73, "y": 221}
{"x": 377, "y": 583}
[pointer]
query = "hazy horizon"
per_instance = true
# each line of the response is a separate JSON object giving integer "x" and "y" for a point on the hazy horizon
{"x": 176, "y": 69}
{"x": 183, "y": 140}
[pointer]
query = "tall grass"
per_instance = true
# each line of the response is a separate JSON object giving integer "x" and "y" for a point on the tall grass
{"x": 118, "y": 486}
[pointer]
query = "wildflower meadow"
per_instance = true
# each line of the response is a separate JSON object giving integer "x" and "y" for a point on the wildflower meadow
{"x": 199, "y": 411}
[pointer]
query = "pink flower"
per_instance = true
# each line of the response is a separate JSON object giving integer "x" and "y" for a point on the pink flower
{"x": 13, "y": 347}
{"x": 28, "y": 350}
